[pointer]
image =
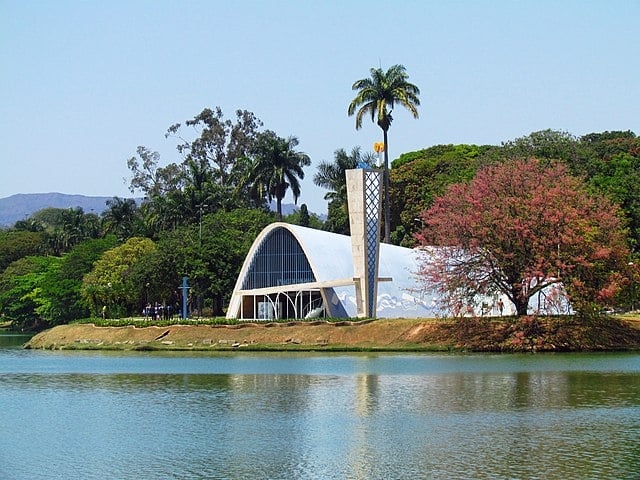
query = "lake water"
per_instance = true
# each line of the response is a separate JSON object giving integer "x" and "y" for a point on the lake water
{"x": 145, "y": 415}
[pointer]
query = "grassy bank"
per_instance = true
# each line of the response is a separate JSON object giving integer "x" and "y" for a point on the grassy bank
{"x": 606, "y": 333}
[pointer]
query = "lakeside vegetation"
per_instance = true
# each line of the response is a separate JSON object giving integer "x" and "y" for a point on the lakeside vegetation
{"x": 61, "y": 265}
{"x": 546, "y": 210}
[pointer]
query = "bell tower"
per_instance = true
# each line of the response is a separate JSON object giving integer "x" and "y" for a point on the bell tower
{"x": 365, "y": 214}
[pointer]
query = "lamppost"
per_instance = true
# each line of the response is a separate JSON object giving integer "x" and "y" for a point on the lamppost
{"x": 146, "y": 305}
{"x": 200, "y": 207}
{"x": 633, "y": 286}
{"x": 108, "y": 300}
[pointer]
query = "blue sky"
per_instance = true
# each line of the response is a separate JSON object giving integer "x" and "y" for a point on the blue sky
{"x": 83, "y": 83}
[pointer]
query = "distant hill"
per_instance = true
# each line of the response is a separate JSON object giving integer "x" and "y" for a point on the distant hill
{"x": 287, "y": 208}
{"x": 22, "y": 205}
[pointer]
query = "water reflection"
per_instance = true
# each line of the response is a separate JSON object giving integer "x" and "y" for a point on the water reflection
{"x": 331, "y": 417}
{"x": 13, "y": 339}
{"x": 366, "y": 394}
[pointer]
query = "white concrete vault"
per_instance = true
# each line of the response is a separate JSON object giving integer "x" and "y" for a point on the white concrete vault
{"x": 307, "y": 273}
{"x": 296, "y": 272}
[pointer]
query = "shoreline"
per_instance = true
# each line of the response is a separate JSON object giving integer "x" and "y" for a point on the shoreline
{"x": 543, "y": 334}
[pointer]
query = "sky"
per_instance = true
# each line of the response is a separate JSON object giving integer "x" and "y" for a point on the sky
{"x": 84, "y": 83}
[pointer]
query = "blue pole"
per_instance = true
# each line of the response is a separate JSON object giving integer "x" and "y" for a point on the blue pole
{"x": 184, "y": 297}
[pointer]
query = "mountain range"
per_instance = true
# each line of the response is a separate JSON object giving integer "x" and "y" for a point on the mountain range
{"x": 23, "y": 205}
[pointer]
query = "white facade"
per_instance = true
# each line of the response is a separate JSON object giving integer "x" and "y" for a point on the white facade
{"x": 310, "y": 274}
{"x": 332, "y": 285}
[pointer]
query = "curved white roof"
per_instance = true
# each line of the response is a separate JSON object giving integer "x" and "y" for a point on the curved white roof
{"x": 329, "y": 254}
{"x": 330, "y": 257}
{"x": 400, "y": 294}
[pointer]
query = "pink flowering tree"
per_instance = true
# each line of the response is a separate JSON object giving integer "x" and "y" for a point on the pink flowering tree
{"x": 518, "y": 228}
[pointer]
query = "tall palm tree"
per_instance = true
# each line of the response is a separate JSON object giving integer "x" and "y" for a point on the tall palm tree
{"x": 277, "y": 167}
{"x": 377, "y": 96}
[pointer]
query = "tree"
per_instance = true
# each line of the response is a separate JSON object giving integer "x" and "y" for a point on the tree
{"x": 62, "y": 228}
{"x": 216, "y": 158}
{"x": 545, "y": 145}
{"x": 613, "y": 168}
{"x": 59, "y": 298}
{"x": 76, "y": 227}
{"x": 20, "y": 286}
{"x": 16, "y": 244}
{"x": 304, "y": 215}
{"x": 111, "y": 283}
{"x": 609, "y": 161}
{"x": 619, "y": 179}
{"x": 520, "y": 227}
{"x": 277, "y": 167}
{"x": 121, "y": 218}
{"x": 417, "y": 178}
{"x": 162, "y": 188}
{"x": 332, "y": 176}
{"x": 376, "y": 97}
{"x": 212, "y": 263}
{"x": 162, "y": 213}
{"x": 159, "y": 270}
{"x": 304, "y": 218}
{"x": 224, "y": 248}
{"x": 608, "y": 144}
{"x": 151, "y": 180}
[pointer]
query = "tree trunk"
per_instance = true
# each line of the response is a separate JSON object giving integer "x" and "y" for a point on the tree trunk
{"x": 521, "y": 309}
{"x": 387, "y": 210}
{"x": 520, "y": 301}
{"x": 218, "y": 311}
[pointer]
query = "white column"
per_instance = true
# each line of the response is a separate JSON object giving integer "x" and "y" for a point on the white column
{"x": 365, "y": 201}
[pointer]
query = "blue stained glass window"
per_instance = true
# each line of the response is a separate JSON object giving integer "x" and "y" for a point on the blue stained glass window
{"x": 279, "y": 260}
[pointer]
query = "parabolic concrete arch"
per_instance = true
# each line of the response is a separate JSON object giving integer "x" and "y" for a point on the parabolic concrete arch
{"x": 293, "y": 272}
{"x": 298, "y": 272}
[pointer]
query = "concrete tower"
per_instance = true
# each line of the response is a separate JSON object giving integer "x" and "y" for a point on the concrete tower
{"x": 365, "y": 213}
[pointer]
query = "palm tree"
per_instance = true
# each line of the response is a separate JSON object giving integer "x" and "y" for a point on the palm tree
{"x": 277, "y": 166}
{"x": 377, "y": 96}
{"x": 332, "y": 176}
{"x": 120, "y": 217}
